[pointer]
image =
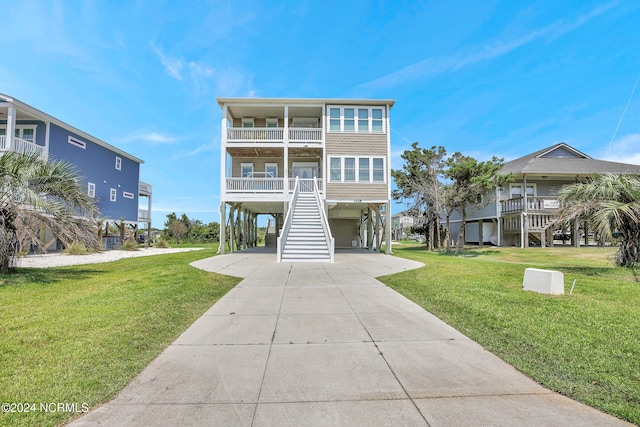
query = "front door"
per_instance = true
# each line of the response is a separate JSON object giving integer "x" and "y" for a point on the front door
{"x": 306, "y": 172}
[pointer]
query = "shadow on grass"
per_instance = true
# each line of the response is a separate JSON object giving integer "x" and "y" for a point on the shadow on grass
{"x": 42, "y": 276}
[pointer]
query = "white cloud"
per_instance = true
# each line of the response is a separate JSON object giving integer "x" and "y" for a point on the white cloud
{"x": 153, "y": 138}
{"x": 173, "y": 67}
{"x": 200, "y": 149}
{"x": 625, "y": 150}
{"x": 434, "y": 66}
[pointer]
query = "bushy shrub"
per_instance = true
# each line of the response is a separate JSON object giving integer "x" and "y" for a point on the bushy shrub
{"x": 130, "y": 245}
{"x": 160, "y": 243}
{"x": 78, "y": 249}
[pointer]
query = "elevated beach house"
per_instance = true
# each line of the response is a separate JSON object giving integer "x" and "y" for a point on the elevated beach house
{"x": 524, "y": 212}
{"x": 318, "y": 168}
{"x": 109, "y": 174}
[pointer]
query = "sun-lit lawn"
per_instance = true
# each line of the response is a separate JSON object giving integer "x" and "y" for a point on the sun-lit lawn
{"x": 80, "y": 334}
{"x": 586, "y": 346}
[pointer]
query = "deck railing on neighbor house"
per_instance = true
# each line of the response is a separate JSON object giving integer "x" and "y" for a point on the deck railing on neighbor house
{"x": 19, "y": 145}
{"x": 270, "y": 135}
{"x": 541, "y": 212}
{"x": 534, "y": 204}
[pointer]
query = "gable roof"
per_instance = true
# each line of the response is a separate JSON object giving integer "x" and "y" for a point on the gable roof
{"x": 562, "y": 159}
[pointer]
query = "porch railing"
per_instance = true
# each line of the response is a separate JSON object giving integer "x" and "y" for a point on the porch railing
{"x": 255, "y": 135}
{"x": 534, "y": 204}
{"x": 270, "y": 185}
{"x": 306, "y": 135}
{"x": 255, "y": 185}
{"x": 144, "y": 215}
{"x": 19, "y": 145}
{"x": 269, "y": 135}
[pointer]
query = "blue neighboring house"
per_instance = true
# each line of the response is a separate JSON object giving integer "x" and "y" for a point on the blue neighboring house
{"x": 110, "y": 175}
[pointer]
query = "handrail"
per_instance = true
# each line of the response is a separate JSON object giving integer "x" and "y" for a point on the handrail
{"x": 287, "y": 222}
{"x": 323, "y": 218}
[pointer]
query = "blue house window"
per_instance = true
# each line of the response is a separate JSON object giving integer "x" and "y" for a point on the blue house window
{"x": 113, "y": 194}
{"x": 118, "y": 163}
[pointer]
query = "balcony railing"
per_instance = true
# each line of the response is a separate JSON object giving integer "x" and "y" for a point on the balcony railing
{"x": 271, "y": 135}
{"x": 145, "y": 189}
{"x": 143, "y": 215}
{"x": 19, "y": 145}
{"x": 534, "y": 204}
{"x": 267, "y": 185}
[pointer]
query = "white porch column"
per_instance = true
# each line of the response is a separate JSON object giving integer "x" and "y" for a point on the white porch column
{"x": 11, "y": 125}
{"x": 223, "y": 159}
{"x": 387, "y": 219}
{"x": 223, "y": 228}
{"x": 285, "y": 142}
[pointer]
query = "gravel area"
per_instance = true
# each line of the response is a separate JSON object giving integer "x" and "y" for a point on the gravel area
{"x": 62, "y": 260}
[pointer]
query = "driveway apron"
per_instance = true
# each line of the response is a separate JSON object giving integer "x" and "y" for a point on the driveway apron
{"x": 326, "y": 345}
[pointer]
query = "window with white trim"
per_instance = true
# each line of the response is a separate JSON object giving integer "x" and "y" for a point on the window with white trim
{"x": 356, "y": 119}
{"x": 357, "y": 169}
{"x": 335, "y": 169}
{"x": 91, "y": 189}
{"x": 272, "y": 123}
{"x": 127, "y": 195}
{"x": 363, "y": 169}
{"x": 118, "y": 163}
{"x": 247, "y": 122}
{"x": 349, "y": 169}
{"x": 378, "y": 169}
{"x": 515, "y": 190}
{"x": 113, "y": 194}
{"x": 77, "y": 142}
{"x": 271, "y": 170}
{"x": 246, "y": 170}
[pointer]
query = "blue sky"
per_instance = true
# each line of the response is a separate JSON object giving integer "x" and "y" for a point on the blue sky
{"x": 482, "y": 77}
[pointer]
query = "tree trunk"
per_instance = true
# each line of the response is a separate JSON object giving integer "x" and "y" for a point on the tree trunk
{"x": 460, "y": 241}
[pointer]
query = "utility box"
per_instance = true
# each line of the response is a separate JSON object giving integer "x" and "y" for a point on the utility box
{"x": 543, "y": 281}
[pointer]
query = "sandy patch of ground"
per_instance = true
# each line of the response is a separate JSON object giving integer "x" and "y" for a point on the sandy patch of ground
{"x": 63, "y": 260}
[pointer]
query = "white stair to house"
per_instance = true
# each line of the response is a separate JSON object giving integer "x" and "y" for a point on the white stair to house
{"x": 306, "y": 240}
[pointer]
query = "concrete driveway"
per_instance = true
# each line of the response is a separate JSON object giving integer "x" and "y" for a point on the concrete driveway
{"x": 324, "y": 345}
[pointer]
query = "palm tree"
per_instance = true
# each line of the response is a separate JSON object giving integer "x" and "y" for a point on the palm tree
{"x": 35, "y": 195}
{"x": 611, "y": 203}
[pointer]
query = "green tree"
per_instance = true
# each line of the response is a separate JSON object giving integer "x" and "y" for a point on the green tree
{"x": 420, "y": 188}
{"x": 470, "y": 181}
{"x": 611, "y": 203}
{"x": 36, "y": 194}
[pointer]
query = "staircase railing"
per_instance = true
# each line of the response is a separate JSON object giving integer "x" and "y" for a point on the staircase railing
{"x": 331, "y": 242}
{"x": 288, "y": 220}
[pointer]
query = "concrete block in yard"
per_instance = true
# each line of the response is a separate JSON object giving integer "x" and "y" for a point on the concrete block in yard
{"x": 543, "y": 281}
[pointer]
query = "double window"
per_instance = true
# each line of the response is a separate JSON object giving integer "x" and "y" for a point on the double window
{"x": 356, "y": 169}
{"x": 356, "y": 119}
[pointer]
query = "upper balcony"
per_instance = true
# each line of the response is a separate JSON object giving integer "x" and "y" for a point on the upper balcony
{"x": 19, "y": 145}
{"x": 534, "y": 204}
{"x": 274, "y": 135}
{"x": 144, "y": 189}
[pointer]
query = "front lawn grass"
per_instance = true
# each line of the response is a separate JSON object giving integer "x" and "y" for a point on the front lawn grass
{"x": 80, "y": 334}
{"x": 585, "y": 346}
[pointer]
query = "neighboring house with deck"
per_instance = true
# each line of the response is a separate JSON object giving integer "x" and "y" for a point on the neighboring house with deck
{"x": 108, "y": 174}
{"x": 318, "y": 167}
{"x": 523, "y": 212}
